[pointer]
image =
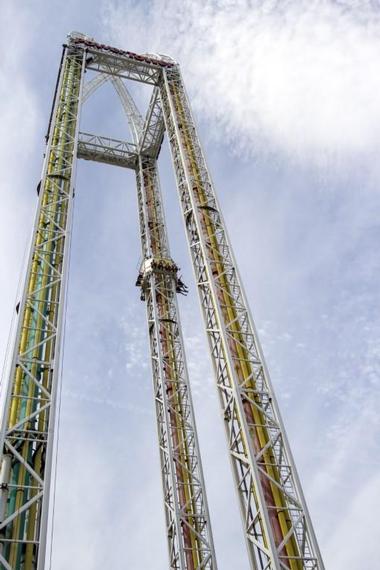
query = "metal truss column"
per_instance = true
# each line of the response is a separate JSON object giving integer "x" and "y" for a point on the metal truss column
{"x": 187, "y": 518}
{"x": 27, "y": 431}
{"x": 277, "y": 526}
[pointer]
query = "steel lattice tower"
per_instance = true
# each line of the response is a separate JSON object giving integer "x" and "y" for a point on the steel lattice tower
{"x": 277, "y": 526}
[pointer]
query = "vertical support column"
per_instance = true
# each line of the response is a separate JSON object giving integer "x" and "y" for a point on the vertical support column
{"x": 277, "y": 526}
{"x": 187, "y": 518}
{"x": 27, "y": 431}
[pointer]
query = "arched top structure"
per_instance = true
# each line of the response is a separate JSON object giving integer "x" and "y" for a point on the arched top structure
{"x": 134, "y": 118}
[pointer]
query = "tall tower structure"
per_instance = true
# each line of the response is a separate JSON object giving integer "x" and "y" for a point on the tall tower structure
{"x": 276, "y": 524}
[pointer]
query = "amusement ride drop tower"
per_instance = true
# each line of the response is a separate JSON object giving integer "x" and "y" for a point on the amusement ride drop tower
{"x": 276, "y": 523}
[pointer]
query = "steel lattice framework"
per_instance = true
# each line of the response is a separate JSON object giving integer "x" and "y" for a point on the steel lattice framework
{"x": 277, "y": 526}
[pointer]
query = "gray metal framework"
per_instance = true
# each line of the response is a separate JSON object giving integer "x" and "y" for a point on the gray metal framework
{"x": 109, "y": 151}
{"x": 119, "y": 63}
{"x": 28, "y": 422}
{"x": 154, "y": 127}
{"x": 277, "y": 526}
{"x": 187, "y": 518}
{"x": 134, "y": 118}
{"x": 186, "y": 511}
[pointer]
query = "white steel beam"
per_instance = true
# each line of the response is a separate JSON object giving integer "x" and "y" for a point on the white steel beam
{"x": 277, "y": 525}
{"x": 132, "y": 113}
{"x": 120, "y": 63}
{"x": 188, "y": 529}
{"x": 107, "y": 150}
{"x": 189, "y": 535}
{"x": 27, "y": 430}
{"x": 154, "y": 127}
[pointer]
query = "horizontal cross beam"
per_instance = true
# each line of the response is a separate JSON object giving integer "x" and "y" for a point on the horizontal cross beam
{"x": 107, "y": 150}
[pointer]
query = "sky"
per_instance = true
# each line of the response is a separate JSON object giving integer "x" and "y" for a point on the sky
{"x": 285, "y": 95}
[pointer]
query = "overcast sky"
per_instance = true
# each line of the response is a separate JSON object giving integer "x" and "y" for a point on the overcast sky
{"x": 286, "y": 96}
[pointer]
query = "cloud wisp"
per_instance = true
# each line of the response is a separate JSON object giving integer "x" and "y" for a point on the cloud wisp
{"x": 296, "y": 77}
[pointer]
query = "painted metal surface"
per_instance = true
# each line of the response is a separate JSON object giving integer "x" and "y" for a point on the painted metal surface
{"x": 186, "y": 512}
{"x": 107, "y": 150}
{"x": 277, "y": 526}
{"x": 188, "y": 528}
{"x": 28, "y": 422}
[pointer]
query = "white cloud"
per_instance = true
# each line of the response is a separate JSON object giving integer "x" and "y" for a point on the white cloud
{"x": 352, "y": 542}
{"x": 295, "y": 76}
